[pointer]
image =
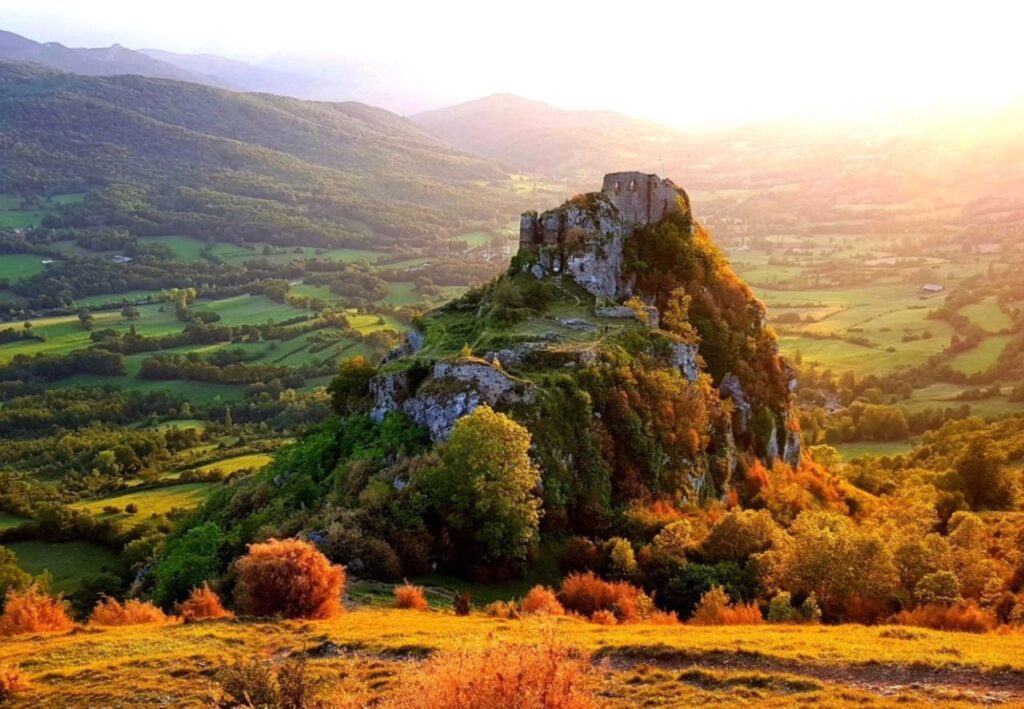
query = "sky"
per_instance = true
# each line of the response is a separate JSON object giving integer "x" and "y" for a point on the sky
{"x": 679, "y": 62}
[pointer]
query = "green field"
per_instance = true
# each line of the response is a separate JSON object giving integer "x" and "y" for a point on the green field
{"x": 15, "y": 267}
{"x": 160, "y": 500}
{"x": 987, "y": 315}
{"x": 67, "y": 562}
{"x": 981, "y": 357}
{"x": 9, "y": 521}
{"x": 185, "y": 248}
{"x": 251, "y": 461}
{"x": 849, "y": 451}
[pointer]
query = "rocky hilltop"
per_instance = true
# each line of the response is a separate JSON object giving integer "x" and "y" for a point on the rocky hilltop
{"x": 623, "y": 340}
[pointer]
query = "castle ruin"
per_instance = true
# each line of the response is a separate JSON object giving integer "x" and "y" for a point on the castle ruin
{"x": 637, "y": 198}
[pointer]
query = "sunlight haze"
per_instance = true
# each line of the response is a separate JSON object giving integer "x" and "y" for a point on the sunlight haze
{"x": 678, "y": 63}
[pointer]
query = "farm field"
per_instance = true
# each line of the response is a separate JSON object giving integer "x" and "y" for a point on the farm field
{"x": 366, "y": 654}
{"x": 242, "y": 462}
{"x": 15, "y": 267}
{"x": 67, "y": 562}
{"x": 159, "y": 500}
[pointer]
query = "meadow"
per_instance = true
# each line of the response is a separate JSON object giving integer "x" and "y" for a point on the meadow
{"x": 365, "y": 654}
{"x": 66, "y": 562}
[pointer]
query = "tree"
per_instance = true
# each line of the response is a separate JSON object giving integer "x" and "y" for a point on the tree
{"x": 486, "y": 488}
{"x": 740, "y": 534}
{"x": 987, "y": 483}
{"x": 130, "y": 312}
{"x": 187, "y": 562}
{"x": 86, "y": 319}
{"x": 350, "y": 389}
{"x": 12, "y": 576}
{"x": 843, "y": 565}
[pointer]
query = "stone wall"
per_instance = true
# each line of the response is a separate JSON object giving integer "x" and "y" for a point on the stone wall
{"x": 642, "y": 198}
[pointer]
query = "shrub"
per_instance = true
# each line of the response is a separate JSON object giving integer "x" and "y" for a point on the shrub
{"x": 966, "y": 618}
{"x": 133, "y": 612}
{"x": 33, "y": 611}
{"x": 289, "y": 578}
{"x": 463, "y": 603}
{"x": 621, "y": 559}
{"x": 581, "y": 554}
{"x": 502, "y": 609}
{"x": 254, "y": 683}
{"x": 541, "y": 600}
{"x": 203, "y": 604}
{"x": 714, "y": 609}
{"x": 781, "y": 610}
{"x": 12, "y": 681}
{"x": 604, "y": 618}
{"x": 586, "y": 594}
{"x": 410, "y": 597}
{"x": 545, "y": 674}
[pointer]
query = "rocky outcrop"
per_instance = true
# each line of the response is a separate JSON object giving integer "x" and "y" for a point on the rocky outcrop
{"x": 583, "y": 238}
{"x": 684, "y": 356}
{"x": 452, "y": 390}
{"x": 732, "y": 389}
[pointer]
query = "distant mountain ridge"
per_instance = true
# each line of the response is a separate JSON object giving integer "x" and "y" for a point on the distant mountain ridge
{"x": 105, "y": 61}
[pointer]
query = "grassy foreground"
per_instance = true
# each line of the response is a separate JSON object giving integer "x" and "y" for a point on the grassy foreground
{"x": 366, "y": 653}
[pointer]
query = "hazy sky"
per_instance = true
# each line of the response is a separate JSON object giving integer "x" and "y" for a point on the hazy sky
{"x": 680, "y": 62}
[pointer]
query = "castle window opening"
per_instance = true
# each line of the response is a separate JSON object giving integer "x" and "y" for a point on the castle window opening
{"x": 632, "y": 185}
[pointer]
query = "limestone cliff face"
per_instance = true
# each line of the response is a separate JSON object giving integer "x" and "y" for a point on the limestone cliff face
{"x": 450, "y": 391}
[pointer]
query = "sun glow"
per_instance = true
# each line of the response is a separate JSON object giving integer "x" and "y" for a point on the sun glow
{"x": 677, "y": 62}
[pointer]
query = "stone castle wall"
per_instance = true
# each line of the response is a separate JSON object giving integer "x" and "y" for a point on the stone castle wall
{"x": 638, "y": 198}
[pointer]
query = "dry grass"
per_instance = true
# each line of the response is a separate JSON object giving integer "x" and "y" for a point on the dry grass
{"x": 32, "y": 611}
{"x": 110, "y": 612}
{"x": 12, "y": 681}
{"x": 543, "y": 675}
{"x": 410, "y": 597}
{"x": 174, "y": 664}
{"x": 203, "y": 604}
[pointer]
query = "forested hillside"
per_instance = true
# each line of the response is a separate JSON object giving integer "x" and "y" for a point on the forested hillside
{"x": 164, "y": 157}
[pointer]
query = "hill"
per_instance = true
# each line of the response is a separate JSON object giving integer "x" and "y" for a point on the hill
{"x": 536, "y": 137}
{"x": 243, "y": 76}
{"x": 106, "y": 61}
{"x": 206, "y": 162}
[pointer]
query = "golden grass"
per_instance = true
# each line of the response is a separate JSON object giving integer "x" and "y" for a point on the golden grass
{"x": 364, "y": 651}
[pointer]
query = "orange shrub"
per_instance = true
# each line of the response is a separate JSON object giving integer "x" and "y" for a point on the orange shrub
{"x": 604, "y": 618}
{"x": 289, "y": 578}
{"x": 134, "y": 612}
{"x": 714, "y": 609}
{"x": 410, "y": 597}
{"x": 501, "y": 609}
{"x": 33, "y": 611}
{"x": 966, "y": 618}
{"x": 545, "y": 674}
{"x": 541, "y": 600}
{"x": 12, "y": 681}
{"x": 203, "y": 604}
{"x": 587, "y": 594}
{"x": 662, "y": 618}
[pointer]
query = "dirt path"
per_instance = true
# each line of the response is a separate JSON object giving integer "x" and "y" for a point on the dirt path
{"x": 885, "y": 680}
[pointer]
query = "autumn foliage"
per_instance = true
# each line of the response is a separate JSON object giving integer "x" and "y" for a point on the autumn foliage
{"x": 133, "y": 612}
{"x": 966, "y": 618}
{"x": 541, "y": 600}
{"x": 410, "y": 597}
{"x": 513, "y": 675}
{"x": 289, "y": 578}
{"x": 587, "y": 595}
{"x": 203, "y": 604}
{"x": 12, "y": 681}
{"x": 715, "y": 609}
{"x": 33, "y": 611}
